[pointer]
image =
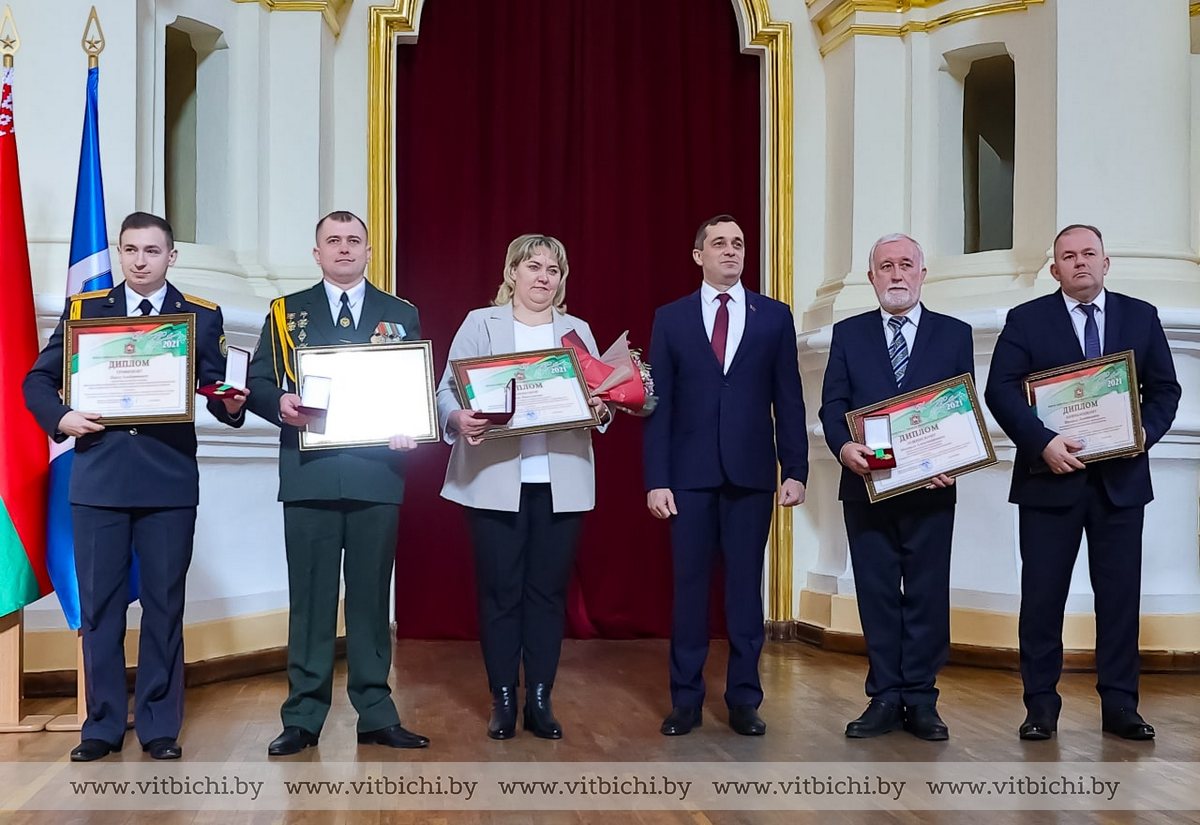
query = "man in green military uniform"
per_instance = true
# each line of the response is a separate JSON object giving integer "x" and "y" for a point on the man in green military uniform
{"x": 335, "y": 499}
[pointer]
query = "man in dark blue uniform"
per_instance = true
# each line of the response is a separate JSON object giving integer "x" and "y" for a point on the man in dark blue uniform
{"x": 133, "y": 487}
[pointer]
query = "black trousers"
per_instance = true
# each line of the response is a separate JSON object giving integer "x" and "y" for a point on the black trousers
{"x": 316, "y": 532}
{"x": 900, "y": 553}
{"x": 104, "y": 538}
{"x": 523, "y": 563}
{"x": 1050, "y": 539}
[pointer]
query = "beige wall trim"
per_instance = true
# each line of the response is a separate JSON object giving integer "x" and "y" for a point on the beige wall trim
{"x": 839, "y": 21}
{"x": 769, "y": 38}
{"x": 973, "y": 627}
{"x": 237, "y": 666}
{"x": 245, "y": 635}
{"x": 998, "y": 658}
{"x": 334, "y": 11}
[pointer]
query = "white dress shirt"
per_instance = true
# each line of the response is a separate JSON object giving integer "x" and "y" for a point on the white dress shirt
{"x": 737, "y": 315}
{"x": 355, "y": 294}
{"x": 132, "y": 299}
{"x": 1079, "y": 318}
{"x": 909, "y": 330}
{"x": 535, "y": 452}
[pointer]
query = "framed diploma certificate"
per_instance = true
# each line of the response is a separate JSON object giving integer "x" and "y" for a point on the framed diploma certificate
{"x": 362, "y": 395}
{"x": 551, "y": 393}
{"x": 139, "y": 370}
{"x": 1095, "y": 402}
{"x": 928, "y": 432}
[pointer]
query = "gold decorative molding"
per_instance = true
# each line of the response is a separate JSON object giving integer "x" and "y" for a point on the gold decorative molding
{"x": 334, "y": 11}
{"x": 1194, "y": 9}
{"x": 837, "y": 21}
{"x": 385, "y": 24}
{"x": 771, "y": 39}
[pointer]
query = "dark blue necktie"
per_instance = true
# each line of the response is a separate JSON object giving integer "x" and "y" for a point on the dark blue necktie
{"x": 898, "y": 349}
{"x": 1091, "y": 332}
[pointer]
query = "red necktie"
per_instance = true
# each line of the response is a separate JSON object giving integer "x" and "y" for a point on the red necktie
{"x": 721, "y": 329}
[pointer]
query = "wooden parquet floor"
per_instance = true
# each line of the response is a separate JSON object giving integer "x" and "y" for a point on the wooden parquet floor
{"x": 611, "y": 697}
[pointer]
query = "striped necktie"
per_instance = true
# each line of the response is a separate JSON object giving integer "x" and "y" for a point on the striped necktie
{"x": 898, "y": 349}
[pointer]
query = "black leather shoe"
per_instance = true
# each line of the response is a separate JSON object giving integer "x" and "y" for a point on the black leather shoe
{"x": 539, "y": 718}
{"x": 292, "y": 740}
{"x": 503, "y": 724}
{"x": 1034, "y": 729}
{"x": 923, "y": 722}
{"x": 394, "y": 737}
{"x": 880, "y": 717}
{"x": 164, "y": 747}
{"x": 744, "y": 719}
{"x": 1128, "y": 724}
{"x": 89, "y": 750}
{"x": 680, "y": 721}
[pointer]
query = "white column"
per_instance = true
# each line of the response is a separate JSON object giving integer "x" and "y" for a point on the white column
{"x": 867, "y": 87}
{"x": 292, "y": 61}
{"x": 1123, "y": 155}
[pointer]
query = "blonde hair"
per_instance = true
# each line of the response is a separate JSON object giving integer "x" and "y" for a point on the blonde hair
{"x": 522, "y": 249}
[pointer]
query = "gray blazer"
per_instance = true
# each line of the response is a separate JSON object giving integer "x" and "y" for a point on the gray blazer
{"x": 488, "y": 475}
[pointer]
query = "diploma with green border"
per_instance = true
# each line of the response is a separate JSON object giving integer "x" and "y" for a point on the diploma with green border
{"x": 139, "y": 370}
{"x": 551, "y": 393}
{"x": 936, "y": 430}
{"x": 1094, "y": 402}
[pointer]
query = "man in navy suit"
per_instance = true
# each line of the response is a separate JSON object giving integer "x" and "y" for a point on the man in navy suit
{"x": 1059, "y": 498}
{"x": 899, "y": 547}
{"x": 723, "y": 358}
{"x": 133, "y": 487}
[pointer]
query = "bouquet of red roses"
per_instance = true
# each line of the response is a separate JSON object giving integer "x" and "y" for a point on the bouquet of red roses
{"x": 619, "y": 376}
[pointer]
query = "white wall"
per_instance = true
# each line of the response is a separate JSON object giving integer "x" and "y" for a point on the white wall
{"x": 262, "y": 158}
{"x": 1105, "y": 134}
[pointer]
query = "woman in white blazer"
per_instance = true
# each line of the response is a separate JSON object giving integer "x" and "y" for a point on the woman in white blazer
{"x": 525, "y": 496}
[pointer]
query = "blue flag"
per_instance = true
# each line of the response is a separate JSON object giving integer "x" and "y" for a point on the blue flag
{"x": 90, "y": 269}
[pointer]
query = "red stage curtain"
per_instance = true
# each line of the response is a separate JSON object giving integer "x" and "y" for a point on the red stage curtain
{"x": 617, "y": 126}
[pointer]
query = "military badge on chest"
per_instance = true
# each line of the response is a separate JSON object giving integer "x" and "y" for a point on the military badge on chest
{"x": 388, "y": 332}
{"x": 297, "y": 325}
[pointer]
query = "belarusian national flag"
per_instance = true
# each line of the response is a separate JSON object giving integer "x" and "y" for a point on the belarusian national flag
{"x": 23, "y": 451}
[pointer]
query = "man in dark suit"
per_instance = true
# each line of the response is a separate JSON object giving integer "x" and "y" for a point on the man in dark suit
{"x": 1060, "y": 498}
{"x": 899, "y": 547}
{"x": 133, "y": 487}
{"x": 723, "y": 357}
{"x": 335, "y": 499}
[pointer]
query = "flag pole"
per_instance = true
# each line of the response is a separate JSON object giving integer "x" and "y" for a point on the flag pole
{"x": 92, "y": 43}
{"x": 12, "y": 628}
